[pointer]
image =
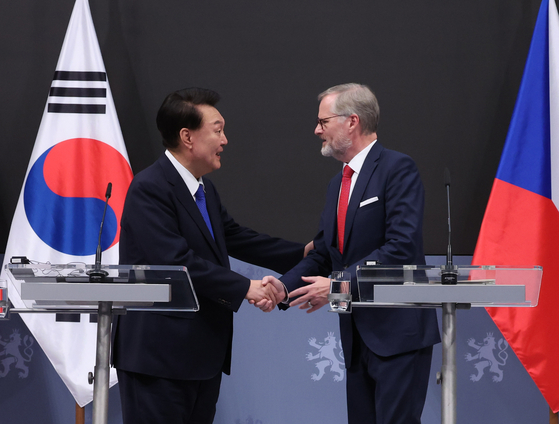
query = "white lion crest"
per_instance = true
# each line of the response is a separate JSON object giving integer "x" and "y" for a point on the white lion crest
{"x": 327, "y": 357}
{"x": 11, "y": 355}
{"x": 487, "y": 358}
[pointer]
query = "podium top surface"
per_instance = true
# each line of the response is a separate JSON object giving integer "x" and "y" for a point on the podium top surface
{"x": 79, "y": 286}
{"x": 484, "y": 285}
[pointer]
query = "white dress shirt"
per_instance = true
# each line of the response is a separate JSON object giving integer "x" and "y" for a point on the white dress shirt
{"x": 190, "y": 180}
{"x": 356, "y": 164}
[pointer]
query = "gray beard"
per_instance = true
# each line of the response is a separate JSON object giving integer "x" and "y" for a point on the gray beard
{"x": 340, "y": 149}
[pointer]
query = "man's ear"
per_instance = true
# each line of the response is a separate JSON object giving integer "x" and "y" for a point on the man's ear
{"x": 186, "y": 137}
{"x": 353, "y": 121}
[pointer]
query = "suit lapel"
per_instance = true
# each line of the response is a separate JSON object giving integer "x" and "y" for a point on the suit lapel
{"x": 365, "y": 175}
{"x": 213, "y": 206}
{"x": 330, "y": 215}
{"x": 185, "y": 199}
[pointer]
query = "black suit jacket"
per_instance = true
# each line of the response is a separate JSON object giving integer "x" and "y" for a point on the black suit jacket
{"x": 384, "y": 223}
{"x": 161, "y": 225}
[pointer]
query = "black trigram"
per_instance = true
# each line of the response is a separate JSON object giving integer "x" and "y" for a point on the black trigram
{"x": 86, "y": 92}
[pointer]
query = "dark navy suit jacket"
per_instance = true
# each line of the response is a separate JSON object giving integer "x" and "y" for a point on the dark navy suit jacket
{"x": 387, "y": 228}
{"x": 161, "y": 225}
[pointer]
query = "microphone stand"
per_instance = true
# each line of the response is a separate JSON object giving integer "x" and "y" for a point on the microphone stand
{"x": 449, "y": 273}
{"x": 447, "y": 375}
{"x": 101, "y": 373}
{"x": 97, "y": 273}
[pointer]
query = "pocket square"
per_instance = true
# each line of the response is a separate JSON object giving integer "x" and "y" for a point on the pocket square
{"x": 366, "y": 202}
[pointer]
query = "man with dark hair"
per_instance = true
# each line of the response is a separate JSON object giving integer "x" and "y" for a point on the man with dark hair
{"x": 373, "y": 212}
{"x": 169, "y": 365}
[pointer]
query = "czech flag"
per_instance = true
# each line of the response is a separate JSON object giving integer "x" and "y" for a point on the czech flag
{"x": 521, "y": 222}
{"x": 79, "y": 149}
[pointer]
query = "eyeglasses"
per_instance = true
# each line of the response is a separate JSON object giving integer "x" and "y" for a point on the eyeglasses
{"x": 323, "y": 121}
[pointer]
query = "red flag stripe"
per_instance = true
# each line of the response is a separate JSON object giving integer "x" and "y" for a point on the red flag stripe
{"x": 521, "y": 228}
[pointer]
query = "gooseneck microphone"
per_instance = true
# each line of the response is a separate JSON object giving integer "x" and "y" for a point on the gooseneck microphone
{"x": 449, "y": 274}
{"x": 97, "y": 272}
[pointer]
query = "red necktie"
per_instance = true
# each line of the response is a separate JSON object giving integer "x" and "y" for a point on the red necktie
{"x": 342, "y": 206}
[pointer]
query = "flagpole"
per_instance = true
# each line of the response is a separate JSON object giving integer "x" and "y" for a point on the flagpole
{"x": 553, "y": 417}
{"x": 80, "y": 414}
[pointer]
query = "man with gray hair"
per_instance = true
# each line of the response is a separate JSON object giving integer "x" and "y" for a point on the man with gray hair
{"x": 373, "y": 212}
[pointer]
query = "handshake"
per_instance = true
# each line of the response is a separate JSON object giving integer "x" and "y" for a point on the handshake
{"x": 268, "y": 292}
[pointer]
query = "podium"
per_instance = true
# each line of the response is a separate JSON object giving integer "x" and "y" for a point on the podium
{"x": 77, "y": 288}
{"x": 419, "y": 286}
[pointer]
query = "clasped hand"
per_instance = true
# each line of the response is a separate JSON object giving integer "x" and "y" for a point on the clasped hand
{"x": 265, "y": 296}
{"x": 313, "y": 296}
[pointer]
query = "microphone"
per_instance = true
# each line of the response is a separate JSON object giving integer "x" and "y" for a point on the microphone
{"x": 97, "y": 272}
{"x": 449, "y": 274}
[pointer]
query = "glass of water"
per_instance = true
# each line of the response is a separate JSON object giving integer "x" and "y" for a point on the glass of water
{"x": 340, "y": 292}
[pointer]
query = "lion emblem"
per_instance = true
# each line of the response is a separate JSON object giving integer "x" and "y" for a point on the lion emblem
{"x": 487, "y": 358}
{"x": 11, "y": 356}
{"x": 327, "y": 357}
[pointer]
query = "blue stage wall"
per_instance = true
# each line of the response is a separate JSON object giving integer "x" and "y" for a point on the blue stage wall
{"x": 275, "y": 375}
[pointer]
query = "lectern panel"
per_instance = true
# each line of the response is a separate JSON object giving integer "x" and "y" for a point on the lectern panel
{"x": 82, "y": 287}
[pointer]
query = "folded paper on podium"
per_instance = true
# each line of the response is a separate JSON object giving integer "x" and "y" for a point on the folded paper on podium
{"x": 131, "y": 287}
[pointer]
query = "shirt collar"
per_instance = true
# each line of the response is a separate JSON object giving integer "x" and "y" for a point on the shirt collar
{"x": 191, "y": 182}
{"x": 359, "y": 159}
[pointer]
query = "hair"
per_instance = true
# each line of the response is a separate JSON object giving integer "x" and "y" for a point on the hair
{"x": 179, "y": 111}
{"x": 355, "y": 99}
